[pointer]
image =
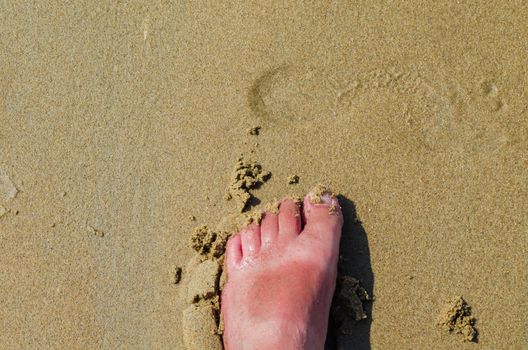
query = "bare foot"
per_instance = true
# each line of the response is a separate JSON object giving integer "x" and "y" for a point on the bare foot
{"x": 281, "y": 278}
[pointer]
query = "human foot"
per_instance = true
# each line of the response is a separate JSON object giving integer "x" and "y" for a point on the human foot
{"x": 281, "y": 277}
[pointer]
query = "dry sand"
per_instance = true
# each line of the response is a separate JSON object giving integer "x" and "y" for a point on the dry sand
{"x": 119, "y": 121}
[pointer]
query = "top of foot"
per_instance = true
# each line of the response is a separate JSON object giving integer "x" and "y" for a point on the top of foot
{"x": 281, "y": 276}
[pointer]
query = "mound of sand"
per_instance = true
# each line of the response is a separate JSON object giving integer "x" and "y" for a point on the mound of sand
{"x": 456, "y": 318}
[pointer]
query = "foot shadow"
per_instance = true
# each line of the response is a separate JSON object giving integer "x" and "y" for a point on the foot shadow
{"x": 355, "y": 262}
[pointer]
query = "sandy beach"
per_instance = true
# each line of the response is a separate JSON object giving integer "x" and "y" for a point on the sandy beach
{"x": 121, "y": 124}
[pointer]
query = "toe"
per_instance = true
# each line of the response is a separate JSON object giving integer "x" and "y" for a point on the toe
{"x": 250, "y": 236}
{"x": 269, "y": 229}
{"x": 323, "y": 219}
{"x": 289, "y": 219}
{"x": 233, "y": 252}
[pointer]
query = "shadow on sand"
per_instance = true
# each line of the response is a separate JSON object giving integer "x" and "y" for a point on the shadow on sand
{"x": 355, "y": 262}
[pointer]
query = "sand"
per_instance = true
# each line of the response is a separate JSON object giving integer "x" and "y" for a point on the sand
{"x": 293, "y": 179}
{"x": 248, "y": 175}
{"x": 416, "y": 112}
{"x": 348, "y": 304}
{"x": 457, "y": 318}
{"x": 202, "y": 323}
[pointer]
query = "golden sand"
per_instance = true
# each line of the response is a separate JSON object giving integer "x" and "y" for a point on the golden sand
{"x": 416, "y": 112}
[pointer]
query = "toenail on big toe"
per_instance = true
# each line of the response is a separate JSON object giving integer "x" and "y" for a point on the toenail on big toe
{"x": 329, "y": 199}
{"x": 321, "y": 194}
{"x": 322, "y": 200}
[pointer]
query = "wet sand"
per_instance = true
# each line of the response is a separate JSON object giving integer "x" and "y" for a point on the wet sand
{"x": 119, "y": 122}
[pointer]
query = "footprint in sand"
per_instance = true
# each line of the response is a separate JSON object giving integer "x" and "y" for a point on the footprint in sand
{"x": 290, "y": 94}
{"x": 395, "y": 106}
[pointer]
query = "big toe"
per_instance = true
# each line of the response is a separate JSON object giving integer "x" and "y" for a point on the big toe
{"x": 322, "y": 214}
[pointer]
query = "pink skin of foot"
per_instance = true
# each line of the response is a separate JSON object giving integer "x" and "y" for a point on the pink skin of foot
{"x": 281, "y": 278}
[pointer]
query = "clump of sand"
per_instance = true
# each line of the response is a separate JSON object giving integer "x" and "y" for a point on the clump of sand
{"x": 456, "y": 318}
{"x": 208, "y": 243}
{"x": 273, "y": 207}
{"x": 202, "y": 326}
{"x": 96, "y": 232}
{"x": 293, "y": 179}
{"x": 204, "y": 282}
{"x": 347, "y": 305}
{"x": 255, "y": 131}
{"x": 177, "y": 275}
{"x": 248, "y": 175}
{"x": 199, "y": 324}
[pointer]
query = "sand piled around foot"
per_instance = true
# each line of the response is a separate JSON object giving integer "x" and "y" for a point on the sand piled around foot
{"x": 202, "y": 324}
{"x": 202, "y": 319}
{"x": 247, "y": 175}
{"x": 347, "y": 305}
{"x": 199, "y": 327}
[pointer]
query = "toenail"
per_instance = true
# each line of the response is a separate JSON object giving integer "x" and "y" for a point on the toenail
{"x": 322, "y": 194}
{"x": 327, "y": 199}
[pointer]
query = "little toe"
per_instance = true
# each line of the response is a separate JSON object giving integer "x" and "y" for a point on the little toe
{"x": 233, "y": 252}
{"x": 250, "y": 236}
{"x": 289, "y": 219}
{"x": 269, "y": 229}
{"x": 323, "y": 216}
